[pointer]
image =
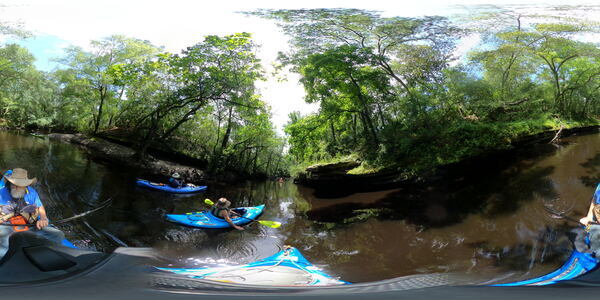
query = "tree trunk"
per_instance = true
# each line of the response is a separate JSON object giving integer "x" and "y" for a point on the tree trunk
{"x": 333, "y": 137}
{"x": 228, "y": 131}
{"x": 182, "y": 120}
{"x": 102, "y": 91}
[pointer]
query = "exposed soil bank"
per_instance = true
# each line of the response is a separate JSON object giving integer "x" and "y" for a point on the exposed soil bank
{"x": 126, "y": 156}
{"x": 333, "y": 180}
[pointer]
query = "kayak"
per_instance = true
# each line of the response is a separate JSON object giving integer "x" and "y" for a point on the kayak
{"x": 205, "y": 219}
{"x": 167, "y": 188}
{"x": 285, "y": 268}
{"x": 578, "y": 264}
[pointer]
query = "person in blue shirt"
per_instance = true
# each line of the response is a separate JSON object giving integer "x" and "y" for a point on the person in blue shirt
{"x": 21, "y": 204}
{"x": 588, "y": 239}
{"x": 593, "y": 215}
{"x": 175, "y": 181}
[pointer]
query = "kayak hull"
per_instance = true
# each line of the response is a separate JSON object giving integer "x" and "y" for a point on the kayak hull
{"x": 166, "y": 188}
{"x": 578, "y": 264}
{"x": 205, "y": 219}
{"x": 285, "y": 268}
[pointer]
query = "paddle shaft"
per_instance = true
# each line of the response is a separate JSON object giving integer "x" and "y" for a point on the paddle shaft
{"x": 102, "y": 205}
{"x": 261, "y": 222}
{"x": 240, "y": 216}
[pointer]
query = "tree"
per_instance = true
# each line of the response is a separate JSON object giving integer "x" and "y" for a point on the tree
{"x": 171, "y": 89}
{"x": 94, "y": 68}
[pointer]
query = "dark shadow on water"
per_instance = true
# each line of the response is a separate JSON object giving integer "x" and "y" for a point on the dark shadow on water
{"x": 493, "y": 187}
{"x": 593, "y": 169}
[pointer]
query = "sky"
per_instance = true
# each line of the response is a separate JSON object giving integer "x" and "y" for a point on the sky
{"x": 177, "y": 24}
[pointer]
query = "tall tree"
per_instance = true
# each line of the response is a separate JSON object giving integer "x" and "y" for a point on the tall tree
{"x": 94, "y": 67}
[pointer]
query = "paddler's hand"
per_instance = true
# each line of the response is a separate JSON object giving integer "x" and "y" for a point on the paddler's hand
{"x": 584, "y": 220}
{"x": 41, "y": 223}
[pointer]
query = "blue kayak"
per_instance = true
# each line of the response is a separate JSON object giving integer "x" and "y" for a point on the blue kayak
{"x": 285, "y": 268}
{"x": 167, "y": 188}
{"x": 64, "y": 242}
{"x": 205, "y": 219}
{"x": 578, "y": 264}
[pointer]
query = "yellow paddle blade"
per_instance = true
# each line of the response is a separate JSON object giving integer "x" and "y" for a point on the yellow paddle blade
{"x": 272, "y": 224}
{"x": 208, "y": 201}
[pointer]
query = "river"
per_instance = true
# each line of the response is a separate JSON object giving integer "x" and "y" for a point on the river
{"x": 491, "y": 219}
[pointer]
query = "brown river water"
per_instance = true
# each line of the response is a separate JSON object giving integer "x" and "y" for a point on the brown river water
{"x": 490, "y": 219}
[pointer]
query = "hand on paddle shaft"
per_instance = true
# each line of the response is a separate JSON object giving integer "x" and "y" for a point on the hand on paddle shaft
{"x": 579, "y": 222}
{"x": 44, "y": 221}
{"x": 272, "y": 224}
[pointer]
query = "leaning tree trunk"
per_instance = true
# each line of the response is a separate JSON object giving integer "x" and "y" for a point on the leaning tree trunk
{"x": 102, "y": 91}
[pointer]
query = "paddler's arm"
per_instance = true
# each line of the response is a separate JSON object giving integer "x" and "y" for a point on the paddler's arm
{"x": 590, "y": 216}
{"x": 43, "y": 220}
{"x": 228, "y": 219}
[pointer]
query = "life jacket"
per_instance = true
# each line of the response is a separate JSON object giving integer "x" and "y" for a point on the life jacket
{"x": 20, "y": 217}
{"x": 19, "y": 220}
{"x": 217, "y": 211}
{"x": 176, "y": 183}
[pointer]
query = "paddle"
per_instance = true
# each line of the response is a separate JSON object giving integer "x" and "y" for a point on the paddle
{"x": 272, "y": 224}
{"x": 568, "y": 218}
{"x": 77, "y": 216}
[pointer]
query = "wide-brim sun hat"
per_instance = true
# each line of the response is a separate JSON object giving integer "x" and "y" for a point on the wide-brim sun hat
{"x": 19, "y": 178}
{"x": 175, "y": 175}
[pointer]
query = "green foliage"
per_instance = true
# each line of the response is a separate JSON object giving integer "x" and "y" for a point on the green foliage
{"x": 391, "y": 99}
{"x": 388, "y": 90}
{"x": 201, "y": 102}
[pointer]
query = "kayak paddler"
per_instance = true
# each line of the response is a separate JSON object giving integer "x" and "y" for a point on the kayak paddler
{"x": 176, "y": 181}
{"x": 221, "y": 210}
{"x": 21, "y": 204}
{"x": 593, "y": 215}
{"x": 588, "y": 240}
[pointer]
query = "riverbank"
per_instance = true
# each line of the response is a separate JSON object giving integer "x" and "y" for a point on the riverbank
{"x": 126, "y": 156}
{"x": 351, "y": 175}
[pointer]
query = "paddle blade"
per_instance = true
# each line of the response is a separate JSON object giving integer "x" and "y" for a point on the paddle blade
{"x": 272, "y": 224}
{"x": 208, "y": 202}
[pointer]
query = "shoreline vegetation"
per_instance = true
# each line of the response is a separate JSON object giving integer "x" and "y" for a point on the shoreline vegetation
{"x": 341, "y": 173}
{"x": 395, "y": 100}
{"x": 350, "y": 174}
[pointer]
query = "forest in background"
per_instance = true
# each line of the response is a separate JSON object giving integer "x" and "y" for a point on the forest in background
{"x": 392, "y": 91}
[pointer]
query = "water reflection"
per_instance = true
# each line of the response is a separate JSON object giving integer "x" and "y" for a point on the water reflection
{"x": 491, "y": 219}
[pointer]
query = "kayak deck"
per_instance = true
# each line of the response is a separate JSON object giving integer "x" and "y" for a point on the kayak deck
{"x": 285, "y": 268}
{"x": 578, "y": 264}
{"x": 206, "y": 219}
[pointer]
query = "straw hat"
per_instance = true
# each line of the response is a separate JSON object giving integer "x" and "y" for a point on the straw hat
{"x": 19, "y": 177}
{"x": 175, "y": 175}
{"x": 223, "y": 203}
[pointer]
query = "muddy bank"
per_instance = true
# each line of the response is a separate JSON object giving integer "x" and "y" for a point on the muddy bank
{"x": 126, "y": 156}
{"x": 333, "y": 180}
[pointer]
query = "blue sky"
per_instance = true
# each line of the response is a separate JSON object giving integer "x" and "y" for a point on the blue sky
{"x": 45, "y": 49}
